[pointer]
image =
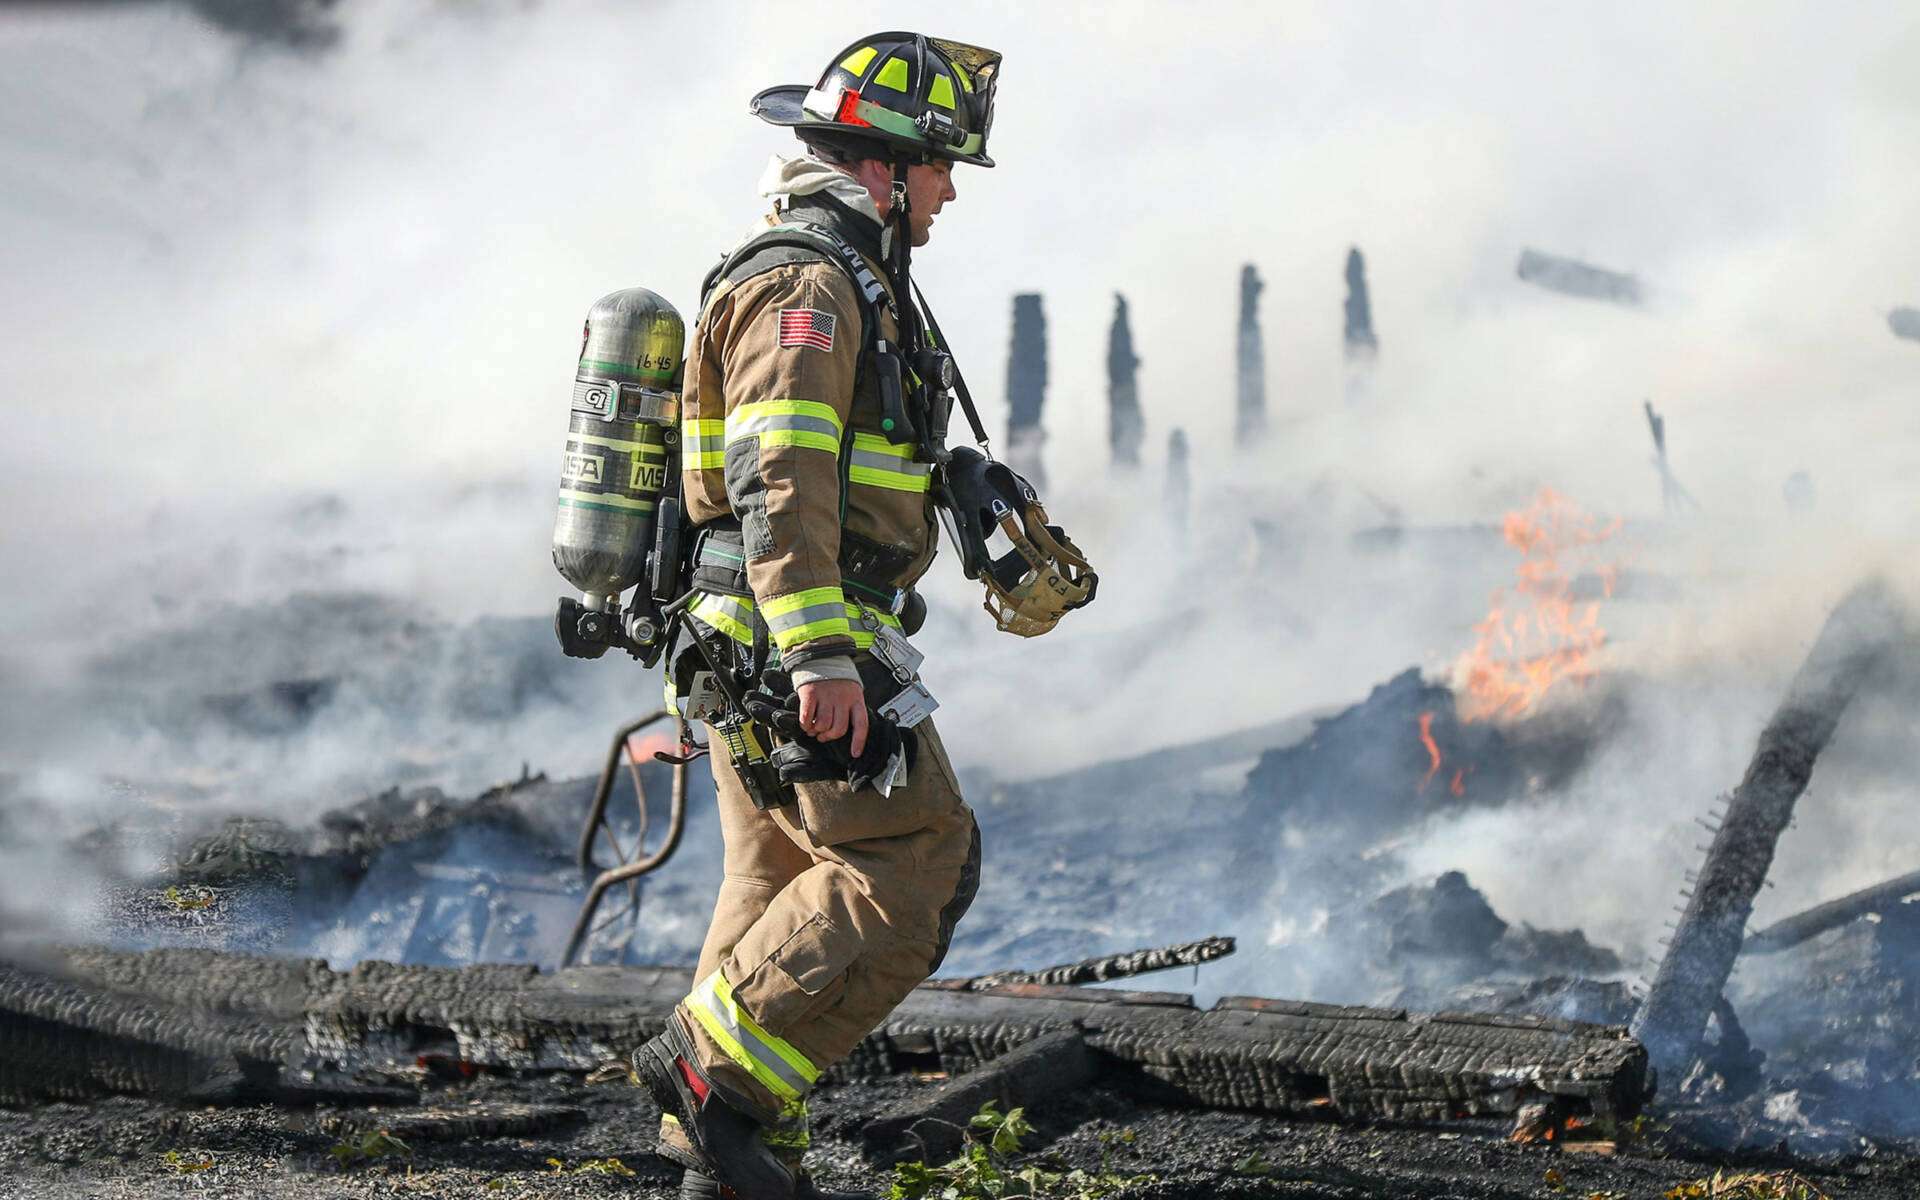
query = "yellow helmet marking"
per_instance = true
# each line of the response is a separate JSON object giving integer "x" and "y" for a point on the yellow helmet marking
{"x": 941, "y": 93}
{"x": 893, "y": 74}
{"x": 858, "y": 60}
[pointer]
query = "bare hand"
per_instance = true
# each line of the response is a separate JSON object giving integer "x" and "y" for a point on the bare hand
{"x": 830, "y": 708}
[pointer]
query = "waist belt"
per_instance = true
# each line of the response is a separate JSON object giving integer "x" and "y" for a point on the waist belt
{"x": 720, "y": 566}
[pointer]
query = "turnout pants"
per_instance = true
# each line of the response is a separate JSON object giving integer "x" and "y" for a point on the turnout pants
{"x": 832, "y": 909}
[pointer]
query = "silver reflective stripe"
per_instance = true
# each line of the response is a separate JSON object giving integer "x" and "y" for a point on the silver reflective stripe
{"x": 891, "y": 464}
{"x": 759, "y": 1052}
{"x": 747, "y": 426}
{"x": 806, "y": 616}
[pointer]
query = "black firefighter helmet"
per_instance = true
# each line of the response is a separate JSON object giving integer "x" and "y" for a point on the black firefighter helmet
{"x": 1043, "y": 576}
{"x": 928, "y": 96}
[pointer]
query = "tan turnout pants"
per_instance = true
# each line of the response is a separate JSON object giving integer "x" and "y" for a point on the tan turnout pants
{"x": 832, "y": 909}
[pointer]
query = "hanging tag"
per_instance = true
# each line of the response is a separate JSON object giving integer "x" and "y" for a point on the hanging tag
{"x": 913, "y": 705}
{"x": 705, "y": 700}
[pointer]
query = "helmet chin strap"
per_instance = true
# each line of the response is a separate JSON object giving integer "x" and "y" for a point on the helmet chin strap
{"x": 900, "y": 254}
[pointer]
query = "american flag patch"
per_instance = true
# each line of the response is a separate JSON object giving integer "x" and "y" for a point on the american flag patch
{"x": 806, "y": 327}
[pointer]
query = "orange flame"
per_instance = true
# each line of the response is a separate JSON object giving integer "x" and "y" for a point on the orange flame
{"x": 641, "y": 747}
{"x": 1459, "y": 785}
{"x": 1433, "y": 751}
{"x": 1535, "y": 635}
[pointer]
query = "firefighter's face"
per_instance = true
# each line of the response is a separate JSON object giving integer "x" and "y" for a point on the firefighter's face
{"x": 929, "y": 186}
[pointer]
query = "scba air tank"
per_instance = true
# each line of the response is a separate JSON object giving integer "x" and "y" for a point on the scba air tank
{"x": 620, "y": 445}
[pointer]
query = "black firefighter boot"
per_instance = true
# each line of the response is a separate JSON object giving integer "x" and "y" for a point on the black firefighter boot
{"x": 736, "y": 1157}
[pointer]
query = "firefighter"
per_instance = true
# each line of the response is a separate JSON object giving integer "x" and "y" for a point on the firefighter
{"x": 814, "y": 518}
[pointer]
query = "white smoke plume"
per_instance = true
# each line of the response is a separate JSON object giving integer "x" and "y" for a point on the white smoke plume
{"x": 303, "y": 321}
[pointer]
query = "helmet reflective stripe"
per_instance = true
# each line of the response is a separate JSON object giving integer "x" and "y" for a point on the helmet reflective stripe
{"x": 893, "y": 74}
{"x": 705, "y": 444}
{"x": 856, "y": 62}
{"x": 876, "y": 462}
{"x": 806, "y": 616}
{"x": 805, "y": 423}
{"x": 846, "y": 107}
{"x": 941, "y": 93}
{"x": 770, "y": 1060}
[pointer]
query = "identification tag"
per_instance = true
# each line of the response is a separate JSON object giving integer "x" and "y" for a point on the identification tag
{"x": 913, "y": 705}
{"x": 705, "y": 700}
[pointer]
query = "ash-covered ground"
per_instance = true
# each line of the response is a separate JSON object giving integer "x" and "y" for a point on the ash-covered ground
{"x": 121, "y": 1149}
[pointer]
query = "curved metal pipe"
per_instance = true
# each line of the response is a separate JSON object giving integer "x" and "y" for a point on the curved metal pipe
{"x": 596, "y": 816}
{"x": 626, "y": 872}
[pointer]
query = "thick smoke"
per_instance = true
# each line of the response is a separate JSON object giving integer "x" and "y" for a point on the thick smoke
{"x": 293, "y": 324}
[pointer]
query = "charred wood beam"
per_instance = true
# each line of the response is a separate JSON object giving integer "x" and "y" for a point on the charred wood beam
{"x": 930, "y": 1126}
{"x": 1833, "y": 914}
{"x": 1105, "y": 967}
{"x": 210, "y": 1013}
{"x": 1699, "y": 957}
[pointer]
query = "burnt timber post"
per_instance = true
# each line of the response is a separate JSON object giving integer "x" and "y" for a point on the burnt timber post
{"x": 1250, "y": 364}
{"x": 1361, "y": 342}
{"x": 1027, "y": 388}
{"x": 1699, "y": 959}
{"x": 1126, "y": 428}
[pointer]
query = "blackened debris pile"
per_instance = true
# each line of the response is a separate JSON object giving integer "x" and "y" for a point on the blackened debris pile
{"x": 1403, "y": 753}
{"x": 214, "y": 1025}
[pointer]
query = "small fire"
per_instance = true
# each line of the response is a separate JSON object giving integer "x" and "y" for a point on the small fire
{"x": 1433, "y": 750}
{"x": 1536, "y": 634}
{"x": 641, "y": 747}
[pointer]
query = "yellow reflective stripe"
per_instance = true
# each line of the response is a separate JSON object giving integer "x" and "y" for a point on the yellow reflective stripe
{"x": 733, "y": 616}
{"x": 893, "y": 481}
{"x": 705, "y": 444}
{"x": 858, "y": 60}
{"x": 893, "y": 74}
{"x": 874, "y": 443}
{"x": 727, "y": 614}
{"x": 941, "y": 93}
{"x": 783, "y": 1070}
{"x": 876, "y": 462}
{"x": 805, "y": 423}
{"x": 804, "y": 616}
{"x": 960, "y": 73}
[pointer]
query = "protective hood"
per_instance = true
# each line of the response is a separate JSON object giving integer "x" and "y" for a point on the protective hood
{"x": 786, "y": 178}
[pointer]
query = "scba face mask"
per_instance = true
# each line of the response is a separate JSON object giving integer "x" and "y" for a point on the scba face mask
{"x": 1033, "y": 573}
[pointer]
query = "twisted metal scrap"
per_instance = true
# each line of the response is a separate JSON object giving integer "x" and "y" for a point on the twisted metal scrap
{"x": 1113, "y": 966}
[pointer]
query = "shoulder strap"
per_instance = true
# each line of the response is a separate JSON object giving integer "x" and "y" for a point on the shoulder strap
{"x": 795, "y": 242}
